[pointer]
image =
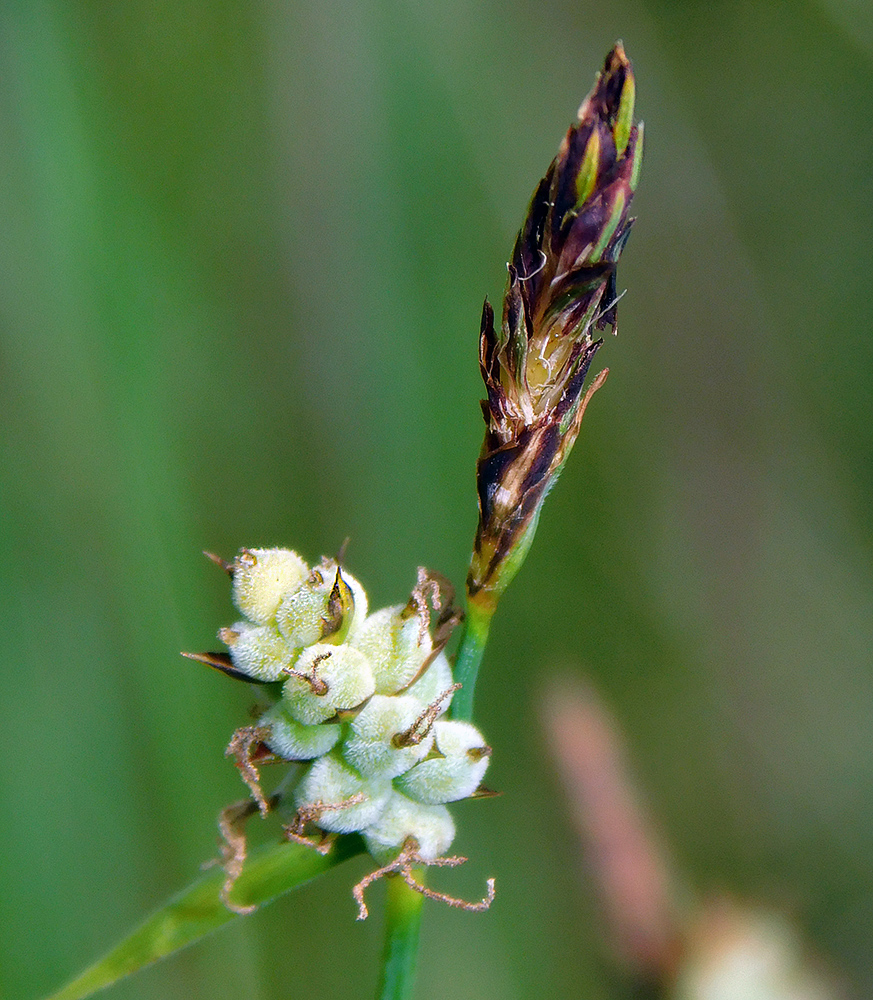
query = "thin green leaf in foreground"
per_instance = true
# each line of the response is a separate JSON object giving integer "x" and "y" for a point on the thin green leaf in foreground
{"x": 198, "y": 910}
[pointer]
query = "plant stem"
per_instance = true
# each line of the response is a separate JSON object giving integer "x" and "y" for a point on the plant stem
{"x": 470, "y": 653}
{"x": 402, "y": 923}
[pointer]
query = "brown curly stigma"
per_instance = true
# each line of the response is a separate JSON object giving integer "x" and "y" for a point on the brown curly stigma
{"x": 317, "y": 685}
{"x": 433, "y": 588}
{"x": 437, "y": 589}
{"x": 231, "y": 824}
{"x": 402, "y": 866}
{"x": 424, "y": 723}
{"x": 311, "y": 813}
{"x": 247, "y": 746}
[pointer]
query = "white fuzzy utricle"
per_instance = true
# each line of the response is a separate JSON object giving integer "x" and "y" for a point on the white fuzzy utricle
{"x": 343, "y": 671}
{"x": 330, "y": 782}
{"x": 457, "y": 773}
{"x": 262, "y": 578}
{"x": 436, "y": 680}
{"x": 258, "y": 650}
{"x": 432, "y": 828}
{"x": 395, "y": 646}
{"x": 294, "y": 741}
{"x": 371, "y": 744}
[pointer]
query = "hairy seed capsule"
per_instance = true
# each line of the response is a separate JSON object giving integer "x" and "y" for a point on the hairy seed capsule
{"x": 291, "y": 740}
{"x": 431, "y": 826}
{"x": 258, "y": 650}
{"x": 262, "y": 578}
{"x": 457, "y": 773}
{"x": 396, "y": 645}
{"x": 338, "y": 798}
{"x": 383, "y": 741}
{"x": 433, "y": 682}
{"x": 326, "y": 607}
{"x": 327, "y": 679}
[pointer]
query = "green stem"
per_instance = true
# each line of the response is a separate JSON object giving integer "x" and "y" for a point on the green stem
{"x": 470, "y": 653}
{"x": 402, "y": 923}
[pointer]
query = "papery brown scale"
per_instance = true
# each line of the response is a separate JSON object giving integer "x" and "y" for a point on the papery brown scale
{"x": 576, "y": 383}
{"x": 517, "y": 327}
{"x": 523, "y": 469}
{"x": 527, "y": 254}
{"x": 607, "y": 160}
{"x": 540, "y": 467}
{"x": 582, "y": 233}
{"x": 568, "y": 164}
{"x": 489, "y": 363}
{"x": 576, "y": 289}
{"x": 586, "y": 227}
{"x": 495, "y": 408}
{"x": 605, "y": 97}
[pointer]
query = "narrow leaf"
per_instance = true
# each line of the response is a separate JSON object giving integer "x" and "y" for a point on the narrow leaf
{"x": 199, "y": 910}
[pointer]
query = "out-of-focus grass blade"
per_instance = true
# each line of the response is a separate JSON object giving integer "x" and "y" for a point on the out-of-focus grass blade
{"x": 198, "y": 910}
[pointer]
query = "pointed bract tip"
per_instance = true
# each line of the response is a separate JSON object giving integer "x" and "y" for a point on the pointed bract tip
{"x": 612, "y": 96}
{"x": 340, "y": 557}
{"x": 220, "y": 661}
{"x": 223, "y": 663}
{"x": 485, "y": 793}
{"x": 222, "y": 563}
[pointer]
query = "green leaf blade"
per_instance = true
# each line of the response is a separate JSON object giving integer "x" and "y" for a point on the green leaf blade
{"x": 199, "y": 910}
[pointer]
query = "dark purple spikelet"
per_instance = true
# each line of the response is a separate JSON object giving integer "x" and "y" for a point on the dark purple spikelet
{"x": 561, "y": 291}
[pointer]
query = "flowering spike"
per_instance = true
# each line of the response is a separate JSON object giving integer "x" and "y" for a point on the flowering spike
{"x": 561, "y": 290}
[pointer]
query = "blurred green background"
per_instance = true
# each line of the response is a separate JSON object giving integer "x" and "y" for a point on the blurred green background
{"x": 244, "y": 249}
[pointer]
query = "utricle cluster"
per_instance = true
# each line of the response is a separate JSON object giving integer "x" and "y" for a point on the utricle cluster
{"x": 362, "y": 697}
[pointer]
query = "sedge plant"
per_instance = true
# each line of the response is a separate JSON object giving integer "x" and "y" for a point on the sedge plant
{"x": 369, "y": 714}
